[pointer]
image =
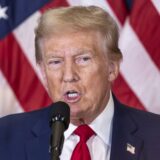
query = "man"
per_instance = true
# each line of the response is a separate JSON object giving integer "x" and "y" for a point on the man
{"x": 77, "y": 51}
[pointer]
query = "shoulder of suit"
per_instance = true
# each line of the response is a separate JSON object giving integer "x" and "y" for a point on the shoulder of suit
{"x": 144, "y": 119}
{"x": 137, "y": 115}
{"x": 15, "y": 121}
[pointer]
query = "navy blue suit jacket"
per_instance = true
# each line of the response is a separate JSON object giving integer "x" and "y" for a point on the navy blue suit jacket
{"x": 136, "y": 135}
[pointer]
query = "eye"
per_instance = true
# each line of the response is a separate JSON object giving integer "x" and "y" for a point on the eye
{"x": 83, "y": 60}
{"x": 54, "y": 63}
{"x": 86, "y": 58}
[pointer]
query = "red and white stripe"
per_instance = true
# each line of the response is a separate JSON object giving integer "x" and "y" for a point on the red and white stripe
{"x": 139, "y": 81}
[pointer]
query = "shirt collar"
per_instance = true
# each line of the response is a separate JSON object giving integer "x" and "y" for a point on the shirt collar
{"x": 70, "y": 130}
{"x": 102, "y": 125}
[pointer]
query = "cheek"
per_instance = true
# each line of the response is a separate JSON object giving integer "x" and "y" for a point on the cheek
{"x": 97, "y": 88}
{"x": 97, "y": 75}
{"x": 96, "y": 82}
{"x": 53, "y": 85}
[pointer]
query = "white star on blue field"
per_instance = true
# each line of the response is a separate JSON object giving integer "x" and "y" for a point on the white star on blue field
{"x": 3, "y": 14}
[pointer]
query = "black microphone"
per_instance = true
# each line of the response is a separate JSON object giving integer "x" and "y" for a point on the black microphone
{"x": 60, "y": 118}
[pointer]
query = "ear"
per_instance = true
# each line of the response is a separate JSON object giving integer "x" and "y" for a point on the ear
{"x": 113, "y": 70}
{"x": 43, "y": 73}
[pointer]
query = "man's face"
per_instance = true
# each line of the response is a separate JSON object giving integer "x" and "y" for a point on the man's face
{"x": 77, "y": 71}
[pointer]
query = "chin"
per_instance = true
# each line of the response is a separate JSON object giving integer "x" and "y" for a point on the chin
{"x": 75, "y": 113}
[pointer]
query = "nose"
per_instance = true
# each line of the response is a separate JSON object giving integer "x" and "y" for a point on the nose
{"x": 70, "y": 73}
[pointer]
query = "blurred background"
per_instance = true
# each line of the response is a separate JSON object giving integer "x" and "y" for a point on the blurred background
{"x": 138, "y": 85}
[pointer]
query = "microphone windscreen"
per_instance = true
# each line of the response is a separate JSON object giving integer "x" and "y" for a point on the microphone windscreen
{"x": 61, "y": 109}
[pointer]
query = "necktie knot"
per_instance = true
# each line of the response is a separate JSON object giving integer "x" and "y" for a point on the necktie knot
{"x": 84, "y": 132}
{"x": 81, "y": 151}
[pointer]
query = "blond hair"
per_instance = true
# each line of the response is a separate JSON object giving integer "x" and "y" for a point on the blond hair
{"x": 78, "y": 18}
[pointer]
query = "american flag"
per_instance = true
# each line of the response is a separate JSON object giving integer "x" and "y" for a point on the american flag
{"x": 138, "y": 85}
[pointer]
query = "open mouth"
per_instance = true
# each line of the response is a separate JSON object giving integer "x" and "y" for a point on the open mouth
{"x": 71, "y": 96}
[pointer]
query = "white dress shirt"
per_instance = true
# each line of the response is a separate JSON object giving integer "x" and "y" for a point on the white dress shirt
{"x": 100, "y": 144}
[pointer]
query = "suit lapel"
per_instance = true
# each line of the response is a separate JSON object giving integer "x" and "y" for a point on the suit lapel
{"x": 125, "y": 144}
{"x": 37, "y": 147}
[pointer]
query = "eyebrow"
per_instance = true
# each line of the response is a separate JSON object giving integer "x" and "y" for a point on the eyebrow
{"x": 79, "y": 52}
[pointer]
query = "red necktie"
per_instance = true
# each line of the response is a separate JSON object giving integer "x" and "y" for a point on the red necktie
{"x": 81, "y": 151}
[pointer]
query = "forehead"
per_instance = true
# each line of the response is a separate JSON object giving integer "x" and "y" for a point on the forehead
{"x": 73, "y": 43}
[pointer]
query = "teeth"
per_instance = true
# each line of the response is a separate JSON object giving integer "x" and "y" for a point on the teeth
{"x": 72, "y": 95}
